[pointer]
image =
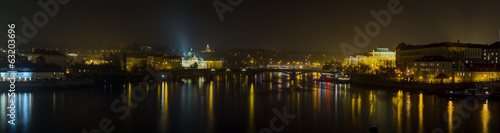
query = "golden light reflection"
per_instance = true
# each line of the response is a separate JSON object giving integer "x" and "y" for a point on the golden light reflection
{"x": 398, "y": 102}
{"x": 421, "y": 113}
{"x": 485, "y": 117}
{"x": 211, "y": 121}
{"x": 450, "y": 116}
{"x": 159, "y": 93}
{"x": 359, "y": 104}
{"x": 408, "y": 109}
{"x": 372, "y": 102}
{"x": 164, "y": 88}
{"x": 353, "y": 108}
{"x": 315, "y": 100}
{"x": 251, "y": 110}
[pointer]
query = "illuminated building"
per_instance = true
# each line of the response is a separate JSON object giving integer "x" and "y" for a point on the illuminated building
{"x": 406, "y": 54}
{"x": 32, "y": 71}
{"x": 427, "y": 68}
{"x": 491, "y": 53}
{"x": 192, "y": 61}
{"x": 207, "y": 49}
{"x": 156, "y": 61}
{"x": 380, "y": 57}
{"x": 478, "y": 73}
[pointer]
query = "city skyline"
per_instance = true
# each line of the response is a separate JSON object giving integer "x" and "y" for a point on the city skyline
{"x": 273, "y": 25}
{"x": 246, "y": 66}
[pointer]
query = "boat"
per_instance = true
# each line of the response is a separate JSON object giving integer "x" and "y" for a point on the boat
{"x": 336, "y": 77}
{"x": 478, "y": 91}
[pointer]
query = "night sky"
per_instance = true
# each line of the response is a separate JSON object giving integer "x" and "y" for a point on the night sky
{"x": 268, "y": 24}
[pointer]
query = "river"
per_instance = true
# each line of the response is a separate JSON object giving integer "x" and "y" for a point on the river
{"x": 232, "y": 103}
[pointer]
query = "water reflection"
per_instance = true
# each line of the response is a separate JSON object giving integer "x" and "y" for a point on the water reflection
{"x": 398, "y": 111}
{"x": 485, "y": 117}
{"x": 450, "y": 116}
{"x": 211, "y": 119}
{"x": 164, "y": 104}
{"x": 420, "y": 113}
{"x": 239, "y": 103}
{"x": 23, "y": 112}
{"x": 408, "y": 109}
{"x": 251, "y": 109}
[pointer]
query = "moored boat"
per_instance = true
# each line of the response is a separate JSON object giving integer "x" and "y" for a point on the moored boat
{"x": 335, "y": 77}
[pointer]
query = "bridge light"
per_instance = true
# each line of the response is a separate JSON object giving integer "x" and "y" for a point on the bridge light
{"x": 228, "y": 70}
{"x": 243, "y": 70}
{"x": 213, "y": 70}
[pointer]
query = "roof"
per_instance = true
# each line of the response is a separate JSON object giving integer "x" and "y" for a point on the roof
{"x": 494, "y": 45}
{"x": 484, "y": 67}
{"x": 382, "y": 50}
{"x": 432, "y": 59}
{"x": 43, "y": 51}
{"x": 171, "y": 56}
{"x": 404, "y": 46}
{"x": 442, "y": 76}
{"x": 32, "y": 67}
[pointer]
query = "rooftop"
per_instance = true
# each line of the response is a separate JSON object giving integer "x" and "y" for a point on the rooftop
{"x": 32, "y": 67}
{"x": 494, "y": 45}
{"x": 382, "y": 50}
{"x": 404, "y": 46}
{"x": 45, "y": 51}
{"x": 432, "y": 58}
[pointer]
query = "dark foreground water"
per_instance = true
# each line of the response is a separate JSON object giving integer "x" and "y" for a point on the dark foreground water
{"x": 234, "y": 104}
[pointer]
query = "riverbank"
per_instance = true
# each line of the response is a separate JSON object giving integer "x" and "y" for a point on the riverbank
{"x": 455, "y": 89}
{"x": 51, "y": 85}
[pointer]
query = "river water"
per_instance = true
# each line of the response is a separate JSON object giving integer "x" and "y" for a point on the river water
{"x": 232, "y": 103}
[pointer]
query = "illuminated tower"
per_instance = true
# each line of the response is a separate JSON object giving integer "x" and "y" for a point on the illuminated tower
{"x": 207, "y": 49}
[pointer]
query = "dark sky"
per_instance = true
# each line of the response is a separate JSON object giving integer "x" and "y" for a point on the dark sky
{"x": 271, "y": 24}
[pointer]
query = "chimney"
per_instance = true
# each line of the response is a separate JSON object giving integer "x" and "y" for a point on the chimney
{"x": 458, "y": 41}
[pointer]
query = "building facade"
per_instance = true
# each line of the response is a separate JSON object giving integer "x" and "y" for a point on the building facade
{"x": 458, "y": 52}
{"x": 32, "y": 72}
{"x": 427, "y": 69}
{"x": 478, "y": 73}
{"x": 192, "y": 61}
{"x": 156, "y": 61}
{"x": 491, "y": 53}
{"x": 51, "y": 57}
{"x": 380, "y": 57}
